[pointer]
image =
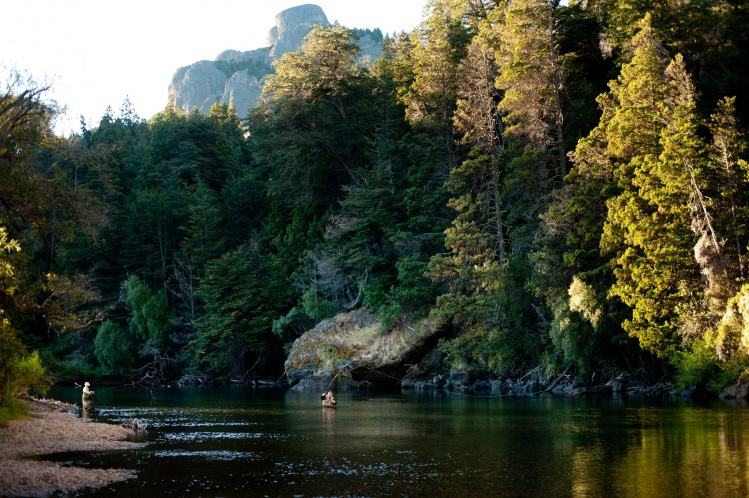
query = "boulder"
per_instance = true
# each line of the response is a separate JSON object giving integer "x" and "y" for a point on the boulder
{"x": 619, "y": 384}
{"x": 350, "y": 350}
{"x": 739, "y": 390}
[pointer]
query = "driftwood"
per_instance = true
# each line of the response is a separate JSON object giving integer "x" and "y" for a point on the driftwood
{"x": 192, "y": 379}
{"x": 559, "y": 379}
{"x": 526, "y": 375}
{"x": 135, "y": 425}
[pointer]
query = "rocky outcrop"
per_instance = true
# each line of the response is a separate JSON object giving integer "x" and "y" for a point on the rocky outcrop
{"x": 349, "y": 350}
{"x": 242, "y": 91}
{"x": 199, "y": 85}
{"x": 292, "y": 25}
{"x": 237, "y": 78}
{"x": 738, "y": 390}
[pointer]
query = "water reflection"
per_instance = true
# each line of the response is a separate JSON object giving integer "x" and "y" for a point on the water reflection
{"x": 86, "y": 406}
{"x": 244, "y": 442}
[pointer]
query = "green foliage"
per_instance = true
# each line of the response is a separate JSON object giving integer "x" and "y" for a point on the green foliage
{"x": 23, "y": 376}
{"x": 481, "y": 349}
{"x": 150, "y": 315}
{"x": 732, "y": 339}
{"x": 11, "y": 351}
{"x": 185, "y": 149}
{"x": 203, "y": 239}
{"x": 236, "y": 325}
{"x": 573, "y": 336}
{"x": 290, "y": 326}
{"x": 317, "y": 308}
{"x": 29, "y": 377}
{"x": 411, "y": 294}
{"x": 698, "y": 366}
{"x": 71, "y": 368}
{"x": 115, "y": 349}
{"x": 649, "y": 223}
{"x": 531, "y": 81}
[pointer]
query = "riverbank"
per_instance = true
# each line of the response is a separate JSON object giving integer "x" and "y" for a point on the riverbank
{"x": 52, "y": 428}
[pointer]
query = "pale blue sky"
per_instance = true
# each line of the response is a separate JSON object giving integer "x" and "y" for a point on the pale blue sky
{"x": 97, "y": 52}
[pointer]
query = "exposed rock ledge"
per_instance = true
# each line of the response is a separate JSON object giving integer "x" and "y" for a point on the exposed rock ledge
{"x": 350, "y": 351}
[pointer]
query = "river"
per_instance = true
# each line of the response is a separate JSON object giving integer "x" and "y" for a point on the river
{"x": 243, "y": 441}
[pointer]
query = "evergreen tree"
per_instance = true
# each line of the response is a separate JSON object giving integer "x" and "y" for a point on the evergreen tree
{"x": 532, "y": 83}
{"x": 729, "y": 209}
{"x": 234, "y": 331}
{"x": 649, "y": 124}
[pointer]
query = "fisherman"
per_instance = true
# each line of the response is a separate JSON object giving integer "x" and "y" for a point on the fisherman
{"x": 87, "y": 392}
{"x": 328, "y": 400}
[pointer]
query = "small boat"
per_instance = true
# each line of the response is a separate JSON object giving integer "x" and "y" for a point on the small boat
{"x": 328, "y": 400}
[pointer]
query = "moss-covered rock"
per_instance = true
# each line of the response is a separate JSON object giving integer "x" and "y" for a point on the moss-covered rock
{"x": 350, "y": 350}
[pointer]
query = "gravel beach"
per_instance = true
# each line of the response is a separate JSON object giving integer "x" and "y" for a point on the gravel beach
{"x": 51, "y": 428}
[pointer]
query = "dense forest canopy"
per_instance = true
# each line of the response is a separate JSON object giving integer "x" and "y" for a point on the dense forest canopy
{"x": 556, "y": 184}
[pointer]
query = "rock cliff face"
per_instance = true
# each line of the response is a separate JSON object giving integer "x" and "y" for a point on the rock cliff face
{"x": 292, "y": 25}
{"x": 237, "y": 77}
{"x": 198, "y": 85}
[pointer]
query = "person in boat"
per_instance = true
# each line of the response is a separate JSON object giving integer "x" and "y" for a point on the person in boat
{"x": 87, "y": 392}
{"x": 328, "y": 399}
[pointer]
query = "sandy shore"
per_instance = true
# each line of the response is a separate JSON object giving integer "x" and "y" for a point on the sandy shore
{"x": 51, "y": 428}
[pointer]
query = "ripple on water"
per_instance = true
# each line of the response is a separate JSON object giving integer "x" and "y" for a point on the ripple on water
{"x": 378, "y": 467}
{"x": 227, "y": 456}
{"x": 199, "y": 437}
{"x": 161, "y": 418}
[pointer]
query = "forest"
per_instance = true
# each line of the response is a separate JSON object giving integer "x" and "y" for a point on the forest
{"x": 557, "y": 184}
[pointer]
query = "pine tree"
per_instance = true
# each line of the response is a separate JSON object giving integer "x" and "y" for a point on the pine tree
{"x": 477, "y": 118}
{"x": 532, "y": 81}
{"x": 652, "y": 135}
{"x": 730, "y": 201}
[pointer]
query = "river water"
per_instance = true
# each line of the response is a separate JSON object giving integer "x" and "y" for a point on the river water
{"x": 242, "y": 441}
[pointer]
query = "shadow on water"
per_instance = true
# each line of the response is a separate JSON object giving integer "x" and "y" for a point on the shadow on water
{"x": 239, "y": 441}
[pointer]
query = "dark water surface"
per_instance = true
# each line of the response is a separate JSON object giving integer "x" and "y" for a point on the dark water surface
{"x": 240, "y": 441}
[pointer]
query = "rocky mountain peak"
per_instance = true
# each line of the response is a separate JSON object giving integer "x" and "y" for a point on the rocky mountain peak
{"x": 292, "y": 25}
{"x": 237, "y": 78}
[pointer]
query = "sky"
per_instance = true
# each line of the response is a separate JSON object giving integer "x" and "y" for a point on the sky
{"x": 97, "y": 53}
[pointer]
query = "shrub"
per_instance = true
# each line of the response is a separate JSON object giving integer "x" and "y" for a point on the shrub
{"x": 26, "y": 375}
{"x": 699, "y": 365}
{"x": 572, "y": 336}
{"x": 29, "y": 377}
{"x": 11, "y": 350}
{"x": 115, "y": 348}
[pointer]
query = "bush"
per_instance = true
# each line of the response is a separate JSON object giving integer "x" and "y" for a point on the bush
{"x": 29, "y": 377}
{"x": 698, "y": 366}
{"x": 11, "y": 351}
{"x": 316, "y": 307}
{"x": 572, "y": 336}
{"x": 75, "y": 368}
{"x": 480, "y": 349}
{"x": 115, "y": 348}
{"x": 25, "y": 376}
